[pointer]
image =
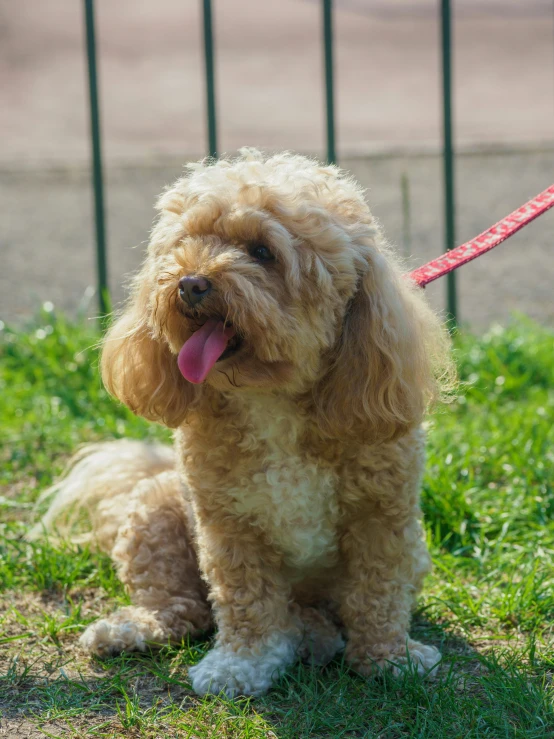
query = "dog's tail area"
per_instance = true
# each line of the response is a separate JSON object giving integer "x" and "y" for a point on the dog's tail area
{"x": 97, "y": 489}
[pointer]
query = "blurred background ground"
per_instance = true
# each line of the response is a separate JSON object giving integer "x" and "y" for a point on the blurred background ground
{"x": 270, "y": 94}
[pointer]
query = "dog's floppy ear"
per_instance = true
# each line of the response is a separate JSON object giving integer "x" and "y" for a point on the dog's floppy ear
{"x": 140, "y": 370}
{"x": 388, "y": 361}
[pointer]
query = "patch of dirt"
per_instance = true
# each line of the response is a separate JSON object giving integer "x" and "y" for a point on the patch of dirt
{"x": 22, "y": 727}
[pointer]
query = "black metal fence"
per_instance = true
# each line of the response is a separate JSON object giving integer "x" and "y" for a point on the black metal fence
{"x": 211, "y": 119}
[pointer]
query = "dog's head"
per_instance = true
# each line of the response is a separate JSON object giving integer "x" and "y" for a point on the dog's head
{"x": 270, "y": 273}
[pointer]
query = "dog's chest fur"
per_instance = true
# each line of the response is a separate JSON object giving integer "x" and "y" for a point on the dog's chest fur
{"x": 291, "y": 496}
{"x": 255, "y": 465}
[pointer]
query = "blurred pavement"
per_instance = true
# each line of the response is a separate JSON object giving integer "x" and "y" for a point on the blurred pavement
{"x": 269, "y": 76}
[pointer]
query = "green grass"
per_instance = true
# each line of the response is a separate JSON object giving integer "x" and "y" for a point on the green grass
{"x": 489, "y": 605}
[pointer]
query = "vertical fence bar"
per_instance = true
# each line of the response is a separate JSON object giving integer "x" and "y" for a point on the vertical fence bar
{"x": 97, "y": 177}
{"x": 448, "y": 154}
{"x": 210, "y": 80}
{"x": 329, "y": 82}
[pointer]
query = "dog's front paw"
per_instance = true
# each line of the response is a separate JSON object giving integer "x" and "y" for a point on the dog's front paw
{"x": 421, "y": 657}
{"x": 424, "y": 657}
{"x": 242, "y": 672}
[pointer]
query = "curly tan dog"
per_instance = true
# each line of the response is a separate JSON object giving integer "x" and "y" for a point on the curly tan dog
{"x": 271, "y": 327}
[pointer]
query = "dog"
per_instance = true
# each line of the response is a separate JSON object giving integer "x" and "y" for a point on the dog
{"x": 271, "y": 326}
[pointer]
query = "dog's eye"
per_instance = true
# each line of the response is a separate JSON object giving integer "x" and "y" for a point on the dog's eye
{"x": 260, "y": 252}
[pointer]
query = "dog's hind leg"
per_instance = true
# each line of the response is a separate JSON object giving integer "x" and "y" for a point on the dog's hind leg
{"x": 322, "y": 638}
{"x": 156, "y": 560}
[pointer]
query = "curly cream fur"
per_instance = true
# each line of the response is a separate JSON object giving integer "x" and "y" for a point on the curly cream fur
{"x": 296, "y": 487}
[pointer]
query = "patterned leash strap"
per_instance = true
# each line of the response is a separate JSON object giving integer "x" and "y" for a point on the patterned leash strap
{"x": 486, "y": 241}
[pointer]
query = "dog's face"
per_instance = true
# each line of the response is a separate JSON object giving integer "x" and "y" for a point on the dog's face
{"x": 266, "y": 273}
{"x": 260, "y": 274}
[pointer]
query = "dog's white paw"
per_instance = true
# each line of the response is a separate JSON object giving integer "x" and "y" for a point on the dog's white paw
{"x": 397, "y": 659}
{"x": 422, "y": 657}
{"x": 104, "y": 638}
{"x": 246, "y": 672}
{"x": 127, "y": 630}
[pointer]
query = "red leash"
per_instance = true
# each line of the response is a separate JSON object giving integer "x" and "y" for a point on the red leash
{"x": 486, "y": 241}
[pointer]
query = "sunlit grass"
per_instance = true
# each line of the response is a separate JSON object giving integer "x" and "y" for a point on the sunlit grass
{"x": 489, "y": 506}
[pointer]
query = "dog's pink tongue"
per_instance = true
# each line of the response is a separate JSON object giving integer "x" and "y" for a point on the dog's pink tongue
{"x": 203, "y": 349}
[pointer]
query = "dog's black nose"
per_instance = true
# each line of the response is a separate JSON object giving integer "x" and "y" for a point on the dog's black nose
{"x": 193, "y": 289}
